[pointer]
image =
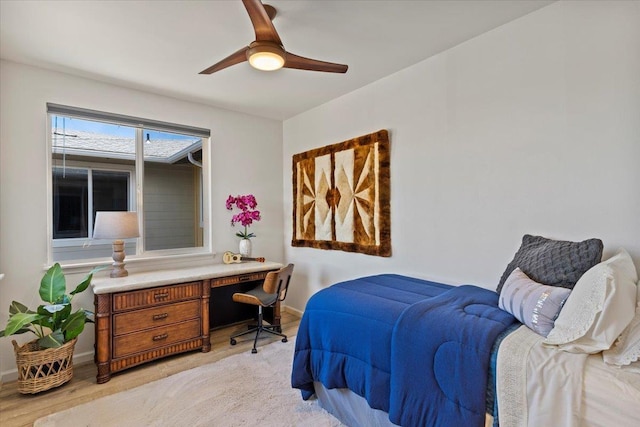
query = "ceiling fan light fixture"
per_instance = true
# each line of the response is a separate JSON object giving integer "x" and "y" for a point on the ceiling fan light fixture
{"x": 267, "y": 52}
{"x": 266, "y": 56}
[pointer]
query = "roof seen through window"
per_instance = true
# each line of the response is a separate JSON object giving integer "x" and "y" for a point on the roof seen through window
{"x": 105, "y": 140}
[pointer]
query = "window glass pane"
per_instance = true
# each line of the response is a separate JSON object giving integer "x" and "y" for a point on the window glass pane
{"x": 93, "y": 141}
{"x": 70, "y": 203}
{"x": 110, "y": 191}
{"x": 93, "y": 165}
{"x": 172, "y": 191}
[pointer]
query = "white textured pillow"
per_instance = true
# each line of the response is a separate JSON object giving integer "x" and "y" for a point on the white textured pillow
{"x": 600, "y": 307}
{"x": 532, "y": 303}
{"x": 626, "y": 349}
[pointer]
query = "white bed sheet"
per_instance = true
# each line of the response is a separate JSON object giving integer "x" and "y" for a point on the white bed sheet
{"x": 541, "y": 385}
{"x": 611, "y": 396}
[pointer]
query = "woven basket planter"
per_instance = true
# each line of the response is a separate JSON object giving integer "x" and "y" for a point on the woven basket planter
{"x": 42, "y": 369}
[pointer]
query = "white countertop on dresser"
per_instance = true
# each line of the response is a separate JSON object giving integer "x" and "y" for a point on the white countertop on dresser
{"x": 149, "y": 279}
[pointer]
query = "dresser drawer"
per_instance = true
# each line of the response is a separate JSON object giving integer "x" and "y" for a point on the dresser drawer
{"x": 149, "y": 339}
{"x": 146, "y": 318}
{"x": 240, "y": 278}
{"x": 154, "y": 296}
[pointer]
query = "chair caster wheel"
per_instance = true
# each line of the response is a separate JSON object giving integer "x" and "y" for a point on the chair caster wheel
{"x": 284, "y": 339}
{"x": 254, "y": 351}
{"x": 232, "y": 341}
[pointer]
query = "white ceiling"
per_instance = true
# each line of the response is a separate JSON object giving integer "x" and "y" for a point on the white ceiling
{"x": 161, "y": 46}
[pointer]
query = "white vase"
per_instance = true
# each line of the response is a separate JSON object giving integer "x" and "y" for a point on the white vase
{"x": 245, "y": 247}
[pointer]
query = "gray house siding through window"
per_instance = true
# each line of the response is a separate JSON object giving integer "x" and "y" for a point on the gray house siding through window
{"x": 170, "y": 195}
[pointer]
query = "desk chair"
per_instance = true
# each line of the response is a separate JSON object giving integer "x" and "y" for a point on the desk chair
{"x": 274, "y": 289}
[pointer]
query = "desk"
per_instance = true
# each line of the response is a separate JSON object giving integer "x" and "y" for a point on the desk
{"x": 147, "y": 316}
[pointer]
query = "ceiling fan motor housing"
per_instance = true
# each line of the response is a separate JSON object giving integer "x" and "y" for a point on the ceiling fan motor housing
{"x": 266, "y": 55}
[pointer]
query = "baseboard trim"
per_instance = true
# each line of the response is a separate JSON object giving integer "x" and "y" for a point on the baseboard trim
{"x": 292, "y": 310}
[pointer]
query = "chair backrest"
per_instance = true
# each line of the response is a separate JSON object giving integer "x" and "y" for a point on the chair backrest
{"x": 277, "y": 282}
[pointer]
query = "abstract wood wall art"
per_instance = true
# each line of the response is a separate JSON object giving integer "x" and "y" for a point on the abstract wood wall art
{"x": 341, "y": 196}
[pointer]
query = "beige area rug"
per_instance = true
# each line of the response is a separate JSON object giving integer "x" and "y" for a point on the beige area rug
{"x": 241, "y": 390}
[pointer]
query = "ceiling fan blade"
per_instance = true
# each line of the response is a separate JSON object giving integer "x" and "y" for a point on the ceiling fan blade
{"x": 233, "y": 59}
{"x": 302, "y": 63}
{"x": 265, "y": 31}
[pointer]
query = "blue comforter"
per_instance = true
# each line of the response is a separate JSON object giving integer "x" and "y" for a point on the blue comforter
{"x": 418, "y": 350}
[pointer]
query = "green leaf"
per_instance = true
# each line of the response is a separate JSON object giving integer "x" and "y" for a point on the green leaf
{"x": 19, "y": 331}
{"x": 19, "y": 321}
{"x": 64, "y": 299}
{"x": 45, "y": 322}
{"x": 59, "y": 317}
{"x": 53, "y": 284}
{"x": 87, "y": 280}
{"x": 53, "y": 340}
{"x": 54, "y": 308}
{"x": 74, "y": 325}
{"x": 83, "y": 285}
{"x": 17, "y": 307}
{"x": 53, "y": 320}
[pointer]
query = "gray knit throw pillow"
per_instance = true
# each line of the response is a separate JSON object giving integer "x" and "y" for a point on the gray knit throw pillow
{"x": 554, "y": 262}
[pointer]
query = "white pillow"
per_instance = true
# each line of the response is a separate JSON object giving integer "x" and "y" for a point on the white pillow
{"x": 626, "y": 349}
{"x": 599, "y": 308}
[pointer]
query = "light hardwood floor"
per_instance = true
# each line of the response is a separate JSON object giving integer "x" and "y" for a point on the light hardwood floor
{"x": 22, "y": 410}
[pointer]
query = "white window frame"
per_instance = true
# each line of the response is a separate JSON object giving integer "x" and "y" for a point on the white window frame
{"x": 141, "y": 256}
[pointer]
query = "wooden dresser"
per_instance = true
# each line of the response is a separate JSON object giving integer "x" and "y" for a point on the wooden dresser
{"x": 147, "y": 316}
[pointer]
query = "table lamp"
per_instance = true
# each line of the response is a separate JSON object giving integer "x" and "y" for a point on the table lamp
{"x": 117, "y": 226}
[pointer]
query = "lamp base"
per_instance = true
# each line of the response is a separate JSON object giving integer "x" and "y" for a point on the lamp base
{"x": 118, "y": 271}
{"x": 118, "y": 258}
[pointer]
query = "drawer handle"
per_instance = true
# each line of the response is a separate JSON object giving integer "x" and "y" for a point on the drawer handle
{"x": 161, "y": 296}
{"x": 160, "y": 337}
{"x": 243, "y": 278}
{"x": 160, "y": 316}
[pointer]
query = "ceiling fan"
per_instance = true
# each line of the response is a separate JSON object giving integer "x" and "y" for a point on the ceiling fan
{"x": 266, "y": 52}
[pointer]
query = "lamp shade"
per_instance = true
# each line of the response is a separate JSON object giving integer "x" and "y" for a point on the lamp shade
{"x": 116, "y": 225}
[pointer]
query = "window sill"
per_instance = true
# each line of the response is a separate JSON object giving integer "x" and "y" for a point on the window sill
{"x": 139, "y": 263}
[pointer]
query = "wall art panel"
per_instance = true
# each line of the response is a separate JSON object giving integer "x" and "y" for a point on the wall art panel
{"x": 341, "y": 195}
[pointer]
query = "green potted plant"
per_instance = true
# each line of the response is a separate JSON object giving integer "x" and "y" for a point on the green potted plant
{"x": 46, "y": 362}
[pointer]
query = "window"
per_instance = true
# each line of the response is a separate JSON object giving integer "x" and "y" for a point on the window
{"x": 107, "y": 162}
{"x": 72, "y": 201}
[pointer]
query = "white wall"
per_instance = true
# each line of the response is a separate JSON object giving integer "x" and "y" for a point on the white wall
{"x": 246, "y": 157}
{"x": 531, "y": 128}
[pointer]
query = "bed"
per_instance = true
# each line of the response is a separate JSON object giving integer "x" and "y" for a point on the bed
{"x": 373, "y": 334}
{"x": 394, "y": 350}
